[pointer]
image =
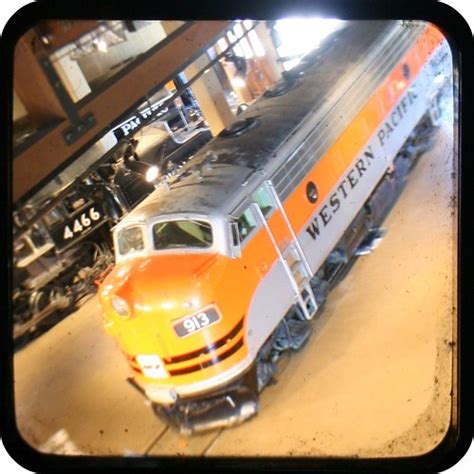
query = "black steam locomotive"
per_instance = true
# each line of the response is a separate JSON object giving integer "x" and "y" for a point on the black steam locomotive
{"x": 62, "y": 246}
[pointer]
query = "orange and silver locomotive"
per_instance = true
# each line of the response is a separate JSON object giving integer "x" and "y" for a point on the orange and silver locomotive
{"x": 221, "y": 269}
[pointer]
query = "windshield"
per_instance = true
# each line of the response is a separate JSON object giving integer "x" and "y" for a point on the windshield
{"x": 181, "y": 234}
{"x": 130, "y": 240}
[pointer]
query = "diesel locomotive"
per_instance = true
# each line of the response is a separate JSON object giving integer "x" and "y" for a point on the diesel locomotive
{"x": 222, "y": 268}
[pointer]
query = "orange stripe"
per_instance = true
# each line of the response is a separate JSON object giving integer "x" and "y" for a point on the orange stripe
{"x": 334, "y": 164}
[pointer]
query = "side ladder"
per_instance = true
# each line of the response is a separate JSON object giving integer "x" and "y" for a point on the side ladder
{"x": 292, "y": 257}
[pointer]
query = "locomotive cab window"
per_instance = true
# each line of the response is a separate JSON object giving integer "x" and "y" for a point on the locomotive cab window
{"x": 37, "y": 237}
{"x": 263, "y": 199}
{"x": 182, "y": 234}
{"x": 130, "y": 240}
{"x": 246, "y": 224}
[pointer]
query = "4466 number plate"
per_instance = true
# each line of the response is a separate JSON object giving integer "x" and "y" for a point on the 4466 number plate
{"x": 82, "y": 223}
{"x": 77, "y": 225}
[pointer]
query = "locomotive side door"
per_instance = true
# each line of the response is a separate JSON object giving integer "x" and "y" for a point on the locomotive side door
{"x": 268, "y": 211}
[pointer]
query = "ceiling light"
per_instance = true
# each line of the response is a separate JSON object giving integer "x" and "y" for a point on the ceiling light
{"x": 101, "y": 45}
{"x": 151, "y": 174}
{"x": 238, "y": 82}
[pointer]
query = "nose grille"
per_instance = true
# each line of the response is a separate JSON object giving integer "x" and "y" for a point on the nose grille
{"x": 207, "y": 349}
{"x": 214, "y": 360}
{"x": 231, "y": 339}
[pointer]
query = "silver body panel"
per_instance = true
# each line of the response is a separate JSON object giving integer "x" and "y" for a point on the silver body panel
{"x": 338, "y": 79}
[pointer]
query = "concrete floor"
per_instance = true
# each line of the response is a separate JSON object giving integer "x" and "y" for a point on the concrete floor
{"x": 373, "y": 380}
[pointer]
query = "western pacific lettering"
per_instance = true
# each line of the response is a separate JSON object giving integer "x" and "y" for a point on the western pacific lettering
{"x": 350, "y": 181}
{"x": 396, "y": 116}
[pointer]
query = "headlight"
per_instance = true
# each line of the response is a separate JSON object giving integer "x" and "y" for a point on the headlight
{"x": 151, "y": 366}
{"x": 151, "y": 174}
{"x": 120, "y": 306}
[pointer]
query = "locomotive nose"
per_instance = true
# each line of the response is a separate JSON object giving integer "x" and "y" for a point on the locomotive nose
{"x": 169, "y": 286}
{"x": 184, "y": 332}
{"x": 163, "y": 304}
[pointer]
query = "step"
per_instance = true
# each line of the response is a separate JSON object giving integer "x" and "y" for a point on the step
{"x": 336, "y": 256}
{"x": 371, "y": 242}
{"x": 292, "y": 259}
{"x": 298, "y": 267}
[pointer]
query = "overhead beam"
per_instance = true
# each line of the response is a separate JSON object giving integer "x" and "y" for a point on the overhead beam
{"x": 153, "y": 70}
{"x": 210, "y": 96}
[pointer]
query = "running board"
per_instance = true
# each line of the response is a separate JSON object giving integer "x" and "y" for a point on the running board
{"x": 371, "y": 242}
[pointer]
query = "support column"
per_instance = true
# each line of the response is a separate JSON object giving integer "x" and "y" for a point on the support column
{"x": 210, "y": 96}
{"x": 270, "y": 61}
{"x": 72, "y": 78}
{"x": 207, "y": 90}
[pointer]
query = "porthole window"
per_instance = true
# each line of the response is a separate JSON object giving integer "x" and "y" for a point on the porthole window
{"x": 312, "y": 192}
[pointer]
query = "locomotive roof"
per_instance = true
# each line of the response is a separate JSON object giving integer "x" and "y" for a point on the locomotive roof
{"x": 277, "y": 120}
